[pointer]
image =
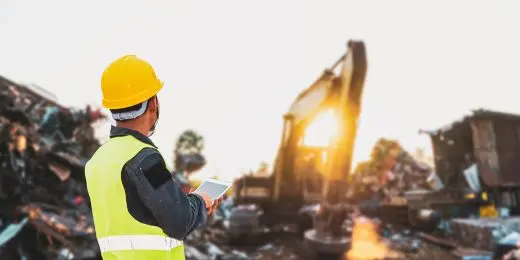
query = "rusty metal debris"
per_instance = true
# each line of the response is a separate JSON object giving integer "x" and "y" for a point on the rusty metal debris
{"x": 406, "y": 210}
{"x": 487, "y": 141}
{"x": 44, "y": 211}
{"x": 391, "y": 172}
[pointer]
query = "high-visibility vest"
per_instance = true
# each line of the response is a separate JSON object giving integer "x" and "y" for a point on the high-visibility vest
{"x": 119, "y": 235}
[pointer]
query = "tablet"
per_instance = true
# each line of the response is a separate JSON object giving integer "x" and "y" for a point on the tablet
{"x": 214, "y": 188}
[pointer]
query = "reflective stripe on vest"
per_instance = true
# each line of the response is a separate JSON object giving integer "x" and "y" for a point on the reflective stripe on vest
{"x": 137, "y": 242}
{"x": 119, "y": 235}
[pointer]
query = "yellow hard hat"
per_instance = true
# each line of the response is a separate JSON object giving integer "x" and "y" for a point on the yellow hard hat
{"x": 128, "y": 81}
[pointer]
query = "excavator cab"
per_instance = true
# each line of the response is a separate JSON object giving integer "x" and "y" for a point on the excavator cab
{"x": 297, "y": 179}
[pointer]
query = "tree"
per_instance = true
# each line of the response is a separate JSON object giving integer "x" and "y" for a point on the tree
{"x": 188, "y": 152}
{"x": 262, "y": 170}
{"x": 264, "y": 167}
{"x": 189, "y": 142}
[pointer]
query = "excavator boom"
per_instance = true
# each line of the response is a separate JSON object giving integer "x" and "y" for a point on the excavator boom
{"x": 327, "y": 235}
{"x": 349, "y": 86}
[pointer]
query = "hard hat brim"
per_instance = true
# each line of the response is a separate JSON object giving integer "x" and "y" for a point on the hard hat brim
{"x": 138, "y": 98}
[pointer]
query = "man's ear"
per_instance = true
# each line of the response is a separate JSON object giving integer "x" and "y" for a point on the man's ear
{"x": 152, "y": 104}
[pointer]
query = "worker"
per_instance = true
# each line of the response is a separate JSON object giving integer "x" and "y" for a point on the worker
{"x": 139, "y": 211}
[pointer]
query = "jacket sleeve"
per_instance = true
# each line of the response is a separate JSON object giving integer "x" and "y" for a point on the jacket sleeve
{"x": 176, "y": 213}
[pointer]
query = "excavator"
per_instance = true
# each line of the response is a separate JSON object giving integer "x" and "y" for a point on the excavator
{"x": 308, "y": 186}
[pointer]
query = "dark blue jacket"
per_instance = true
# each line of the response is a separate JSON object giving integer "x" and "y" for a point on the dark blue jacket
{"x": 160, "y": 202}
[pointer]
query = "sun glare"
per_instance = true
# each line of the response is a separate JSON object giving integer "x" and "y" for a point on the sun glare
{"x": 322, "y": 130}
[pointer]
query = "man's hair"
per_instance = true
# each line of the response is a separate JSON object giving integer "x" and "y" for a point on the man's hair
{"x": 130, "y": 113}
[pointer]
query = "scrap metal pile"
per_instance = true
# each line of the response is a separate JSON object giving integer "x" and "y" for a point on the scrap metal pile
{"x": 391, "y": 172}
{"x": 214, "y": 242}
{"x": 44, "y": 211}
{"x": 371, "y": 239}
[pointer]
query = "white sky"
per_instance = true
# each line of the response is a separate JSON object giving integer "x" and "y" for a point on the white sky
{"x": 232, "y": 68}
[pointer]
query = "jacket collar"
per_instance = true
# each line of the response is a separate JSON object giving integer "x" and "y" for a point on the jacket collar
{"x": 121, "y": 131}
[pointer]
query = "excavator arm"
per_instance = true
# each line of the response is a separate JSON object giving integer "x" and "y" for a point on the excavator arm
{"x": 349, "y": 89}
{"x": 326, "y": 237}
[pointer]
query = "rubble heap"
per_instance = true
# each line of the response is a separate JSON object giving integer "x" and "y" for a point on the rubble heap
{"x": 391, "y": 171}
{"x": 282, "y": 242}
{"x": 45, "y": 212}
{"x": 44, "y": 146}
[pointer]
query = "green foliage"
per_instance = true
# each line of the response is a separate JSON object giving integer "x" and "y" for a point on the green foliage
{"x": 189, "y": 142}
{"x": 264, "y": 166}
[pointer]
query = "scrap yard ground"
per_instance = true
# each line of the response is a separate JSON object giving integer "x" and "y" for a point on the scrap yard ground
{"x": 289, "y": 246}
{"x": 45, "y": 214}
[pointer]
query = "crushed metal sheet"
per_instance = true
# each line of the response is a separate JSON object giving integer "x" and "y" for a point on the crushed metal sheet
{"x": 11, "y": 231}
{"x": 39, "y": 141}
{"x": 60, "y": 171}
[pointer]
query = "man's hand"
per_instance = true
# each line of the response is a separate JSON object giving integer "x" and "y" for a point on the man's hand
{"x": 215, "y": 205}
{"x": 208, "y": 201}
{"x": 211, "y": 205}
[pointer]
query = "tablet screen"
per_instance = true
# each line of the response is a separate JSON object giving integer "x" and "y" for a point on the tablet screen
{"x": 214, "y": 190}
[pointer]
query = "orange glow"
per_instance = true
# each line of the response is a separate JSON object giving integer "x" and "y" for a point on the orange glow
{"x": 322, "y": 130}
{"x": 366, "y": 243}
